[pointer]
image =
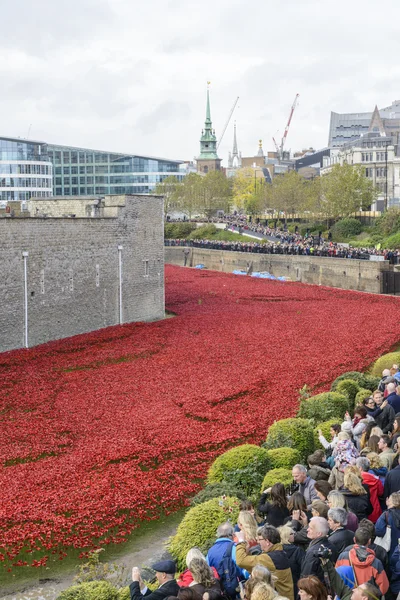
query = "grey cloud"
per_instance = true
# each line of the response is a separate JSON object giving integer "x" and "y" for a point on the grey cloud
{"x": 163, "y": 115}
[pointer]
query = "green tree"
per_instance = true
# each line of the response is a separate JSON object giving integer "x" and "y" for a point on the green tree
{"x": 345, "y": 190}
{"x": 290, "y": 193}
{"x": 243, "y": 188}
{"x": 214, "y": 193}
{"x": 170, "y": 189}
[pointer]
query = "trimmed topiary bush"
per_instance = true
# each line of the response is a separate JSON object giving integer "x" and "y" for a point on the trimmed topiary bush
{"x": 361, "y": 395}
{"x": 325, "y": 428}
{"x": 385, "y": 362}
{"x": 92, "y": 590}
{"x": 291, "y": 433}
{"x": 215, "y": 490}
{"x": 243, "y": 466}
{"x": 124, "y": 593}
{"x": 349, "y": 388}
{"x": 199, "y": 527}
{"x": 277, "y": 476}
{"x": 284, "y": 458}
{"x": 323, "y": 407}
{"x": 368, "y": 382}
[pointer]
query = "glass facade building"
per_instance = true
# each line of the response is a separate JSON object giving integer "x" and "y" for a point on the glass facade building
{"x": 25, "y": 170}
{"x": 85, "y": 172}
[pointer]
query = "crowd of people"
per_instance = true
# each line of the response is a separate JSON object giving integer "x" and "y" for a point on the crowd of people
{"x": 281, "y": 241}
{"x": 335, "y": 532}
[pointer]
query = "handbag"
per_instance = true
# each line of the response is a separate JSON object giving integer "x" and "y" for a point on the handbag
{"x": 386, "y": 540}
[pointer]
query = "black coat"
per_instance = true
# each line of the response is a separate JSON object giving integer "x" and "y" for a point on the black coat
{"x": 312, "y": 563}
{"x": 274, "y": 515}
{"x": 341, "y": 538}
{"x": 295, "y": 557}
{"x": 385, "y": 419}
{"x": 392, "y": 482}
{"x": 360, "y": 505}
{"x": 170, "y": 588}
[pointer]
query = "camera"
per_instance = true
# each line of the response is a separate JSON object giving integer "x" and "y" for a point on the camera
{"x": 324, "y": 552}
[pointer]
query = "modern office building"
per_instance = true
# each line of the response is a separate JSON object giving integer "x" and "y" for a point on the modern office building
{"x": 25, "y": 170}
{"x": 86, "y": 172}
{"x": 348, "y": 127}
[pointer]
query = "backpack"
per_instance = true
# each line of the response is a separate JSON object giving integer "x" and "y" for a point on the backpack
{"x": 227, "y": 572}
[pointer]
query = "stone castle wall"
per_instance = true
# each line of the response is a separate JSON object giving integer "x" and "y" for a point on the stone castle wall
{"x": 73, "y": 271}
{"x": 348, "y": 274}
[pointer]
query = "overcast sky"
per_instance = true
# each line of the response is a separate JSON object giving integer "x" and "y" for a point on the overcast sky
{"x": 131, "y": 76}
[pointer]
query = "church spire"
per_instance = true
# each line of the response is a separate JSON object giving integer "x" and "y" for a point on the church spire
{"x": 208, "y": 140}
{"x": 235, "y": 147}
{"x": 260, "y": 149}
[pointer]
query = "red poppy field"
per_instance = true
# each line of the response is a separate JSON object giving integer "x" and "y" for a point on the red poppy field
{"x": 101, "y": 431}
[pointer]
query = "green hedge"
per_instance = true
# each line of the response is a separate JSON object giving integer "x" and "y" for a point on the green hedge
{"x": 199, "y": 527}
{"x": 368, "y": 382}
{"x": 92, "y": 590}
{"x": 347, "y": 228}
{"x": 348, "y": 388}
{"x": 277, "y": 476}
{"x": 179, "y": 231}
{"x": 292, "y": 433}
{"x": 243, "y": 467}
{"x": 284, "y": 458}
{"x": 385, "y": 362}
{"x": 323, "y": 407}
{"x": 215, "y": 490}
{"x": 361, "y": 395}
{"x": 325, "y": 428}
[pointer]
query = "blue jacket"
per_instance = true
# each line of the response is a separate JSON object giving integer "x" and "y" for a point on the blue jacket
{"x": 395, "y": 571}
{"x": 393, "y": 517}
{"x": 216, "y": 553}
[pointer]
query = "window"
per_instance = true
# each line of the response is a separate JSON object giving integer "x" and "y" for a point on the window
{"x": 66, "y": 170}
{"x": 89, "y": 191}
{"x": 74, "y": 191}
{"x": 66, "y": 157}
{"x": 58, "y": 170}
{"x": 66, "y": 180}
{"x": 82, "y": 170}
{"x": 82, "y": 180}
{"x": 90, "y": 180}
{"x": 58, "y": 180}
{"x": 74, "y": 180}
{"x": 74, "y": 157}
{"x": 89, "y": 169}
{"x": 74, "y": 170}
{"x": 58, "y": 191}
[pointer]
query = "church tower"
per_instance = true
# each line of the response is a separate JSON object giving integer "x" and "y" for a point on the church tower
{"x": 208, "y": 159}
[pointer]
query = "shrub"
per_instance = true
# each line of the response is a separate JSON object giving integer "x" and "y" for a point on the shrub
{"x": 178, "y": 230}
{"x": 349, "y": 388}
{"x": 368, "y": 382}
{"x": 92, "y": 590}
{"x": 347, "y": 228}
{"x": 243, "y": 467}
{"x": 291, "y": 433}
{"x": 215, "y": 490}
{"x": 325, "y": 428}
{"x": 199, "y": 526}
{"x": 284, "y": 458}
{"x": 385, "y": 362}
{"x": 203, "y": 232}
{"x": 361, "y": 395}
{"x": 322, "y": 407}
{"x": 124, "y": 593}
{"x": 277, "y": 476}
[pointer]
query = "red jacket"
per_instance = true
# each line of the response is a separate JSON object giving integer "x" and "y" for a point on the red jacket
{"x": 365, "y": 565}
{"x": 375, "y": 490}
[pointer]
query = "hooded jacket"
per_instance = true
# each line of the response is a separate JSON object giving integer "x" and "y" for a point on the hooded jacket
{"x": 375, "y": 491}
{"x": 367, "y": 568}
{"x": 318, "y": 473}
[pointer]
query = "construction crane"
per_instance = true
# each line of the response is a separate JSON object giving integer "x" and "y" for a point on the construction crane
{"x": 276, "y": 146}
{"x": 227, "y": 121}
{"x": 279, "y": 149}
